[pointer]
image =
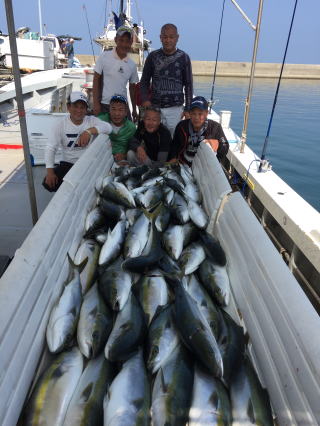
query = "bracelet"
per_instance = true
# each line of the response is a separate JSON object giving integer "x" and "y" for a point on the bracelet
{"x": 88, "y": 131}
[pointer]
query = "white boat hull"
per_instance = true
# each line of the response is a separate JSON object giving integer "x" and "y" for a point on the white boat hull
{"x": 33, "y": 55}
{"x": 281, "y": 322}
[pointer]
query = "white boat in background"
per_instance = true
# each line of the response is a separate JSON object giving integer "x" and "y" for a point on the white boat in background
{"x": 276, "y": 301}
{"x": 36, "y": 52}
{"x": 140, "y": 43}
{"x": 34, "y": 55}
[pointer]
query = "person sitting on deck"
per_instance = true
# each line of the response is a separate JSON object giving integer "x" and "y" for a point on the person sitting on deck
{"x": 72, "y": 134}
{"x": 198, "y": 128}
{"x": 151, "y": 142}
{"x": 122, "y": 128}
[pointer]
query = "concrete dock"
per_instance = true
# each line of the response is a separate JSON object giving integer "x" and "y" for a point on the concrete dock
{"x": 242, "y": 69}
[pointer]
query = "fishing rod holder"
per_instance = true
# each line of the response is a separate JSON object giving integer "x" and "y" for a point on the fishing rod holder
{"x": 264, "y": 166}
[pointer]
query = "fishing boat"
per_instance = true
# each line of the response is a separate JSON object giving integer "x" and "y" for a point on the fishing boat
{"x": 267, "y": 299}
{"x": 35, "y": 52}
{"x": 140, "y": 43}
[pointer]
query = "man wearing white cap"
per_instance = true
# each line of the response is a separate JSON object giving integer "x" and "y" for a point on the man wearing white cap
{"x": 112, "y": 72}
{"x": 72, "y": 134}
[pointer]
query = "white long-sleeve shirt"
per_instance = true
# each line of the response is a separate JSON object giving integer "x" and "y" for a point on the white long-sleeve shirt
{"x": 65, "y": 135}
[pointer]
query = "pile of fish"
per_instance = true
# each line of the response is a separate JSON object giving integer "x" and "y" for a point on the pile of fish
{"x": 140, "y": 332}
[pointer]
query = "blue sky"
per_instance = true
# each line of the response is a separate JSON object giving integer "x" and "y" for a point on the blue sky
{"x": 197, "y": 22}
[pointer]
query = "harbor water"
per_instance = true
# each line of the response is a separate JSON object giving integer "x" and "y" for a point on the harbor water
{"x": 294, "y": 141}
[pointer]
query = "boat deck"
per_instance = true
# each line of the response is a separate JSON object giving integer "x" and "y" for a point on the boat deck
{"x": 43, "y": 91}
{"x": 15, "y": 211}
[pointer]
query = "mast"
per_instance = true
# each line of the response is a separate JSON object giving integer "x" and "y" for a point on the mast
{"x": 128, "y": 10}
{"x": 40, "y": 17}
{"x": 21, "y": 110}
{"x": 253, "y": 65}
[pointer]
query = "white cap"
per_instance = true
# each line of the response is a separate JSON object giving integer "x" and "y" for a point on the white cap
{"x": 78, "y": 96}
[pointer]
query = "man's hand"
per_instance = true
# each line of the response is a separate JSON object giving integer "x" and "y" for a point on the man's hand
{"x": 141, "y": 154}
{"x": 51, "y": 179}
{"x": 84, "y": 139}
{"x": 146, "y": 104}
{"x": 214, "y": 143}
{"x": 185, "y": 115}
{"x": 173, "y": 160}
{"x": 120, "y": 159}
{"x": 97, "y": 109}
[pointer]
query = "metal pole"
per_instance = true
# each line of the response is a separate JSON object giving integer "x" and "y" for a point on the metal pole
{"x": 244, "y": 15}
{"x": 21, "y": 111}
{"x": 253, "y": 65}
{"x": 128, "y": 10}
{"x": 40, "y": 17}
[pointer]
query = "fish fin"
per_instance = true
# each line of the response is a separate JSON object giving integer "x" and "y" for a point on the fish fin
{"x": 153, "y": 213}
{"x": 164, "y": 387}
{"x": 246, "y": 338}
{"x": 173, "y": 279}
{"x": 86, "y": 393}
{"x": 138, "y": 403}
{"x": 74, "y": 311}
{"x": 250, "y": 411}
{"x": 214, "y": 399}
{"x": 159, "y": 310}
{"x": 204, "y": 303}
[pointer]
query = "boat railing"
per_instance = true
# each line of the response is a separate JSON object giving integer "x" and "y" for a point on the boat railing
{"x": 291, "y": 223}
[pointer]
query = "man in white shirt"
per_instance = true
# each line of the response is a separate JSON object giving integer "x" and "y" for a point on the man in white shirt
{"x": 72, "y": 134}
{"x": 112, "y": 72}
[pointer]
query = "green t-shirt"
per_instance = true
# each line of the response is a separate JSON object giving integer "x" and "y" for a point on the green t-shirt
{"x": 119, "y": 141}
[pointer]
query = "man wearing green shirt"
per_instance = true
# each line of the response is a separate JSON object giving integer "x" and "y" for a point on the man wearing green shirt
{"x": 122, "y": 128}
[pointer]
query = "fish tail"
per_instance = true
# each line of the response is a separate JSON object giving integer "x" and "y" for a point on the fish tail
{"x": 153, "y": 213}
{"x": 75, "y": 267}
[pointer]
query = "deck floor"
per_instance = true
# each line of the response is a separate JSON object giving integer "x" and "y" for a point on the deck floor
{"x": 15, "y": 211}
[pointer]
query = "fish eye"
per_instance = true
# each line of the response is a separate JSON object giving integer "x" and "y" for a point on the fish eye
{"x": 155, "y": 350}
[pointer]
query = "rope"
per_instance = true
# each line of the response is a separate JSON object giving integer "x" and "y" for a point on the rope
{"x": 277, "y": 91}
{"x": 245, "y": 182}
{"x": 218, "y": 47}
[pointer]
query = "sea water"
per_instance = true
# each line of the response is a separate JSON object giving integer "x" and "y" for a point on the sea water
{"x": 294, "y": 141}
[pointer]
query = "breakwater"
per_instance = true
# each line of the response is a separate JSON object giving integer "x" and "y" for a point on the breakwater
{"x": 242, "y": 69}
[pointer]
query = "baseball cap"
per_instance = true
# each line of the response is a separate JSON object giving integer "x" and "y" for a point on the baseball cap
{"x": 119, "y": 98}
{"x": 199, "y": 102}
{"x": 123, "y": 30}
{"x": 78, "y": 96}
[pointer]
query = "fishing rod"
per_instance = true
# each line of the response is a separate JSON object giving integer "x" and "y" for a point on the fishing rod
{"x": 211, "y": 103}
{"x": 266, "y": 141}
{"x": 85, "y": 11}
